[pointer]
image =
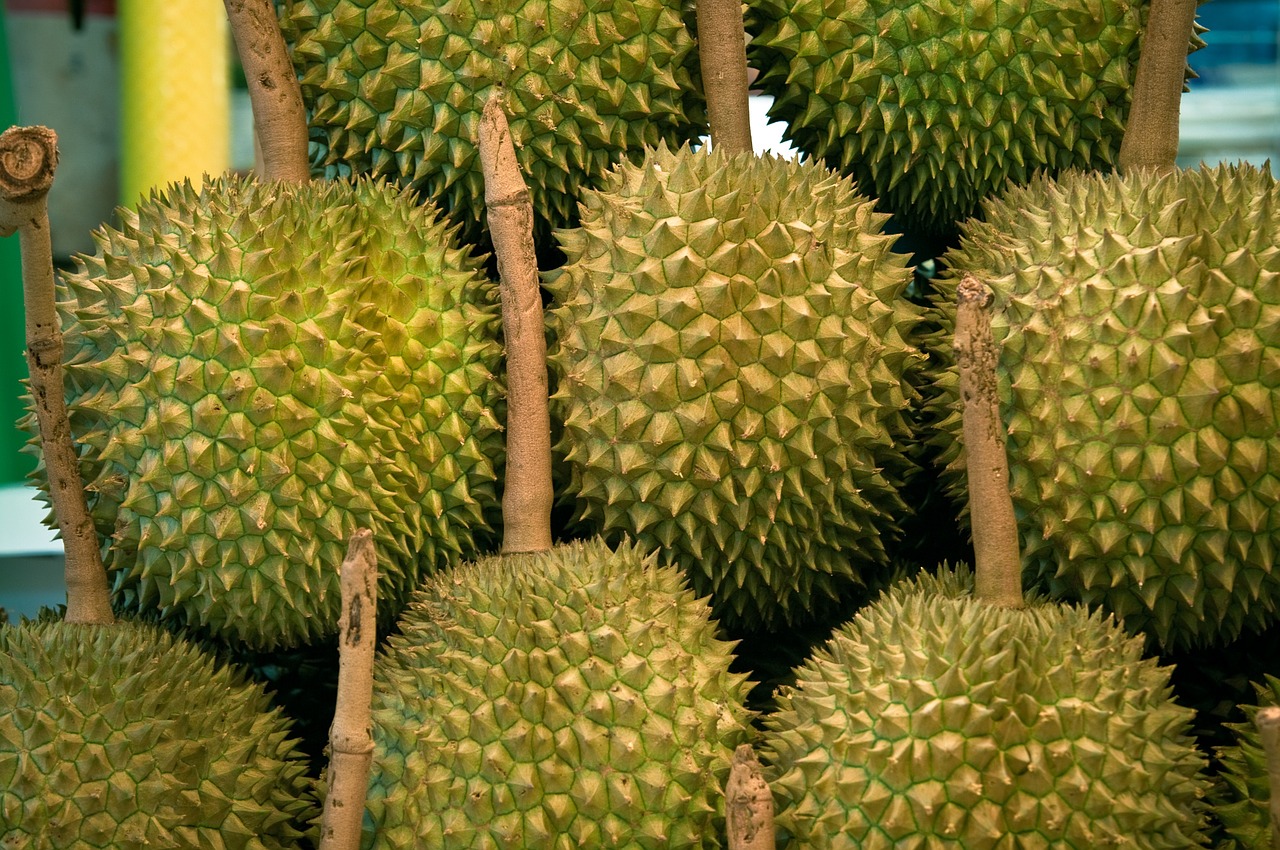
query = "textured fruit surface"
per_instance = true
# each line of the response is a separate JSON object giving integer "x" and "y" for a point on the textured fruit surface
{"x": 570, "y": 700}
{"x": 1242, "y": 795}
{"x": 731, "y": 352}
{"x": 932, "y": 105}
{"x": 255, "y": 371}
{"x": 396, "y": 88}
{"x": 121, "y": 736}
{"x": 935, "y": 720}
{"x": 1140, "y": 367}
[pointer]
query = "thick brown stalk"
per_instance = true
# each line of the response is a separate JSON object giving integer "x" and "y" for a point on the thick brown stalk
{"x": 526, "y": 501}
{"x": 1151, "y": 134}
{"x": 1268, "y": 723}
{"x": 997, "y": 558}
{"x": 28, "y": 159}
{"x": 748, "y": 804}
{"x": 722, "y": 52}
{"x": 278, "y": 114}
{"x": 350, "y": 737}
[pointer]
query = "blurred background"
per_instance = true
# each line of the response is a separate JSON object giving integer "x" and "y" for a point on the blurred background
{"x": 165, "y": 70}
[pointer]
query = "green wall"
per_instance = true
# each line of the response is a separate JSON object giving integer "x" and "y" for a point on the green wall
{"x": 13, "y": 366}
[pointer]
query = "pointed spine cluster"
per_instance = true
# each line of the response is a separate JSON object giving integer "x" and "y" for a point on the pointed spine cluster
{"x": 249, "y": 394}
{"x": 396, "y": 89}
{"x": 932, "y": 106}
{"x": 573, "y": 698}
{"x": 731, "y": 357}
{"x": 1139, "y": 373}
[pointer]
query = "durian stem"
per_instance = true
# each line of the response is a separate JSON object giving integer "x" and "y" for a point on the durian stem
{"x": 748, "y": 803}
{"x": 28, "y": 159}
{"x": 1268, "y": 723}
{"x": 350, "y": 737}
{"x": 279, "y": 117}
{"x": 722, "y": 52}
{"x": 997, "y": 558}
{"x": 1151, "y": 134}
{"x": 526, "y": 500}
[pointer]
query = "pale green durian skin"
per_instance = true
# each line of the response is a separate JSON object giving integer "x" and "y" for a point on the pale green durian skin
{"x": 733, "y": 362}
{"x": 934, "y": 719}
{"x": 395, "y": 88}
{"x": 569, "y": 700}
{"x": 933, "y": 106}
{"x": 254, "y": 371}
{"x": 1242, "y": 794}
{"x": 124, "y": 736}
{"x": 1138, "y": 320}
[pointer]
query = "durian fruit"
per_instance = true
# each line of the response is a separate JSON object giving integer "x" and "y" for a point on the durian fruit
{"x": 121, "y": 736}
{"x": 395, "y": 88}
{"x": 1140, "y": 379}
{"x": 569, "y": 700}
{"x": 733, "y": 362}
{"x": 256, "y": 370}
{"x": 935, "y": 719}
{"x": 933, "y": 105}
{"x": 1242, "y": 795}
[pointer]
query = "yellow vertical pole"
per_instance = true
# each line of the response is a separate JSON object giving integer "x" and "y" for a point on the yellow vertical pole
{"x": 175, "y": 99}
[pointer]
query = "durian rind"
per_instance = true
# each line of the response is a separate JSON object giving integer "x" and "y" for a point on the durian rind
{"x": 932, "y": 106}
{"x": 934, "y": 719}
{"x": 122, "y": 736}
{"x": 1242, "y": 794}
{"x": 1138, "y": 321}
{"x": 571, "y": 699}
{"x": 396, "y": 87}
{"x": 733, "y": 361}
{"x": 254, "y": 371}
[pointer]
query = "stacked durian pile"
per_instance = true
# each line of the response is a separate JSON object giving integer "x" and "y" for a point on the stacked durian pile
{"x": 743, "y": 395}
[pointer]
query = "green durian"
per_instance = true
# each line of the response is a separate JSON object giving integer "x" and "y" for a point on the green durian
{"x": 933, "y": 105}
{"x": 1242, "y": 795}
{"x": 122, "y": 737}
{"x": 395, "y": 89}
{"x": 569, "y": 700}
{"x": 734, "y": 364}
{"x": 1139, "y": 327}
{"x": 934, "y": 719}
{"x": 256, "y": 370}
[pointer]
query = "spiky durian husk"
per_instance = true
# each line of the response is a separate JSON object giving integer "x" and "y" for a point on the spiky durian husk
{"x": 933, "y": 719}
{"x": 255, "y": 371}
{"x": 731, "y": 356}
{"x": 935, "y": 104}
{"x": 1139, "y": 372}
{"x": 1242, "y": 795}
{"x": 396, "y": 88}
{"x": 121, "y": 736}
{"x": 569, "y": 700}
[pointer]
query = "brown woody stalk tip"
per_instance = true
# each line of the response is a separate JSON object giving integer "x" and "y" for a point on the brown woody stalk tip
{"x": 997, "y": 558}
{"x": 1268, "y": 723}
{"x": 722, "y": 52}
{"x": 278, "y": 114}
{"x": 748, "y": 803}
{"x": 28, "y": 159}
{"x": 526, "y": 501}
{"x": 350, "y": 737}
{"x": 1151, "y": 134}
